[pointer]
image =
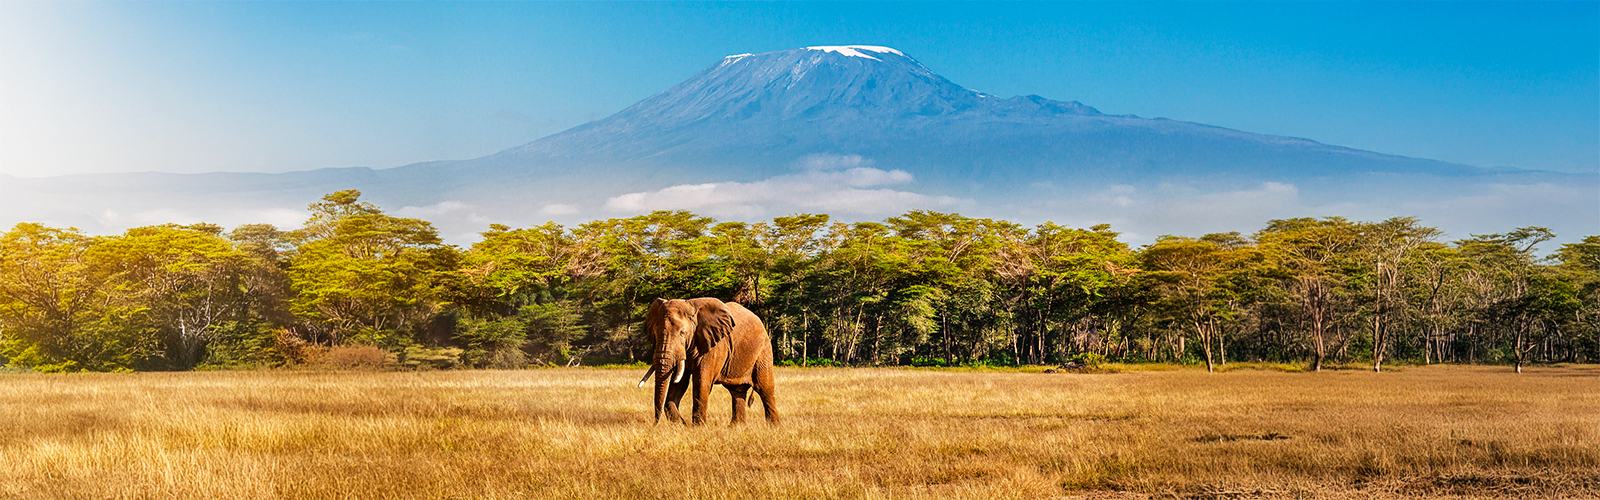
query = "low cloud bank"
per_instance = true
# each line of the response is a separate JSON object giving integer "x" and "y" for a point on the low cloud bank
{"x": 852, "y": 188}
{"x": 1461, "y": 209}
{"x": 844, "y": 185}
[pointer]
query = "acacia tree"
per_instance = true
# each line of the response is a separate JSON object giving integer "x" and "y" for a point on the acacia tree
{"x": 870, "y": 267}
{"x": 1186, "y": 271}
{"x": 509, "y": 296}
{"x": 952, "y": 258}
{"x": 61, "y": 312}
{"x": 1580, "y": 265}
{"x": 187, "y": 279}
{"x": 1386, "y": 248}
{"x": 1438, "y": 295}
{"x": 1313, "y": 255}
{"x": 791, "y": 247}
{"x": 1503, "y": 275}
{"x": 1197, "y": 281}
{"x": 1076, "y": 273}
{"x": 362, "y": 276}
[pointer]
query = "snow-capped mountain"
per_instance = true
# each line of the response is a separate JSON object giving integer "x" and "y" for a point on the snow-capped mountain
{"x": 859, "y": 132}
{"x": 754, "y": 114}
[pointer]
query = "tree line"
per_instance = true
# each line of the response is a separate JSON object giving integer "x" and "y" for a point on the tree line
{"x": 923, "y": 288}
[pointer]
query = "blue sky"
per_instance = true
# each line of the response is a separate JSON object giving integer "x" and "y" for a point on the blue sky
{"x": 238, "y": 86}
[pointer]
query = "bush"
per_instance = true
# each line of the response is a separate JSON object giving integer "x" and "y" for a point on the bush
{"x": 811, "y": 362}
{"x": 419, "y": 357}
{"x": 995, "y": 359}
{"x": 356, "y": 356}
{"x": 380, "y": 338}
{"x": 491, "y": 343}
{"x": 292, "y": 349}
{"x": 1088, "y": 359}
{"x": 242, "y": 345}
{"x": 499, "y": 359}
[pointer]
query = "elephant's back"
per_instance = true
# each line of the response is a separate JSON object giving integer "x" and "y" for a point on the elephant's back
{"x": 743, "y": 317}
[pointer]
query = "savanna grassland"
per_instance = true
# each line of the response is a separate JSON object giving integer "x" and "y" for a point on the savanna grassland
{"x": 1422, "y": 431}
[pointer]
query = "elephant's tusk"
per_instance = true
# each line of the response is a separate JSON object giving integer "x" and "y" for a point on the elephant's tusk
{"x": 646, "y": 376}
{"x": 681, "y": 366}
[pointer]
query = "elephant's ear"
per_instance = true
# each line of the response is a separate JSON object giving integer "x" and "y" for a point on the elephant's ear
{"x": 652, "y": 321}
{"x": 715, "y": 322}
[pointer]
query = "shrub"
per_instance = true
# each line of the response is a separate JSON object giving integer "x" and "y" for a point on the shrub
{"x": 242, "y": 345}
{"x": 491, "y": 343}
{"x": 424, "y": 358}
{"x": 291, "y": 348}
{"x": 811, "y": 362}
{"x": 498, "y": 359}
{"x": 356, "y": 356}
{"x": 1088, "y": 359}
{"x": 7, "y": 369}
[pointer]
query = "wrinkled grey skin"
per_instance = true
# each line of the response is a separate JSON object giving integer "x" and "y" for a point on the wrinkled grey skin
{"x": 704, "y": 341}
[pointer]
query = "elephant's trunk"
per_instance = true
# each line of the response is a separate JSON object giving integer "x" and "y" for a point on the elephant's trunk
{"x": 662, "y": 381}
{"x": 665, "y": 378}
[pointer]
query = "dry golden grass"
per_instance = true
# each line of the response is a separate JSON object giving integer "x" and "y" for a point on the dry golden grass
{"x": 853, "y": 433}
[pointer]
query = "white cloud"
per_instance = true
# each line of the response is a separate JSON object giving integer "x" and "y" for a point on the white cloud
{"x": 1142, "y": 213}
{"x": 282, "y": 218}
{"x": 832, "y": 184}
{"x": 112, "y": 221}
{"x": 823, "y": 161}
{"x": 439, "y": 208}
{"x": 558, "y": 209}
{"x": 109, "y": 218}
{"x": 1459, "y": 207}
{"x": 164, "y": 216}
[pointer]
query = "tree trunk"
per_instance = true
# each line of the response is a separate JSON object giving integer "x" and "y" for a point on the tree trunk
{"x": 877, "y": 338}
{"x": 1222, "y": 349}
{"x": 944, "y": 332}
{"x": 1428, "y": 346}
{"x": 1316, "y": 332}
{"x": 856, "y": 331}
{"x": 1038, "y": 338}
{"x": 1315, "y": 304}
{"x": 805, "y": 338}
{"x": 1379, "y": 336}
{"x": 1205, "y": 345}
{"x": 1517, "y": 349}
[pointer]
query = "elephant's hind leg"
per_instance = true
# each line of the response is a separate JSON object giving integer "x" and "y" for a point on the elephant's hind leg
{"x": 739, "y": 392}
{"x": 762, "y": 381}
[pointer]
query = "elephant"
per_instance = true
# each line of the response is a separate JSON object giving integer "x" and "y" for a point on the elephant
{"x": 714, "y": 342}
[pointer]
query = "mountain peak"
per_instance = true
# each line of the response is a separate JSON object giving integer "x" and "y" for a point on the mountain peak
{"x": 809, "y": 83}
{"x": 855, "y": 50}
{"x": 822, "y": 90}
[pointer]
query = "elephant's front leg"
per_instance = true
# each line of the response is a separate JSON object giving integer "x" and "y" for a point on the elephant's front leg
{"x": 702, "y": 395}
{"x": 674, "y": 395}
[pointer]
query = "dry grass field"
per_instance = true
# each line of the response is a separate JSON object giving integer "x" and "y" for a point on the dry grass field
{"x": 1444, "y": 432}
